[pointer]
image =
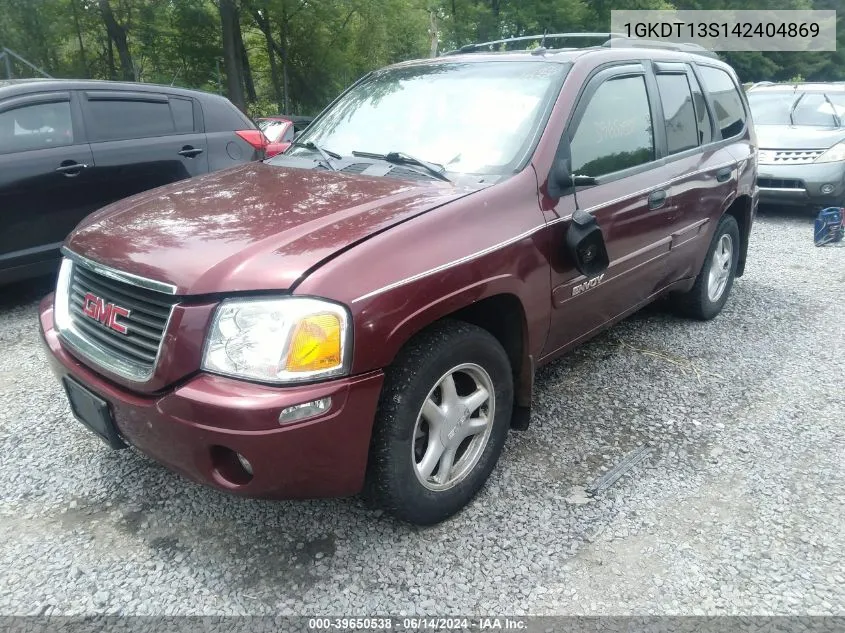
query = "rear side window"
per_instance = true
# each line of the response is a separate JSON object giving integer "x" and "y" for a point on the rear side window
{"x": 678, "y": 112}
{"x": 222, "y": 116}
{"x": 116, "y": 119}
{"x": 616, "y": 131}
{"x": 727, "y": 102}
{"x": 36, "y": 126}
{"x": 183, "y": 114}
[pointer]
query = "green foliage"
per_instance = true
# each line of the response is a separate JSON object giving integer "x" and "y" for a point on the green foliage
{"x": 301, "y": 53}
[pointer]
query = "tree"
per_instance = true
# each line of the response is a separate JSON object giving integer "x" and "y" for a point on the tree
{"x": 117, "y": 36}
{"x": 297, "y": 55}
{"x": 230, "y": 22}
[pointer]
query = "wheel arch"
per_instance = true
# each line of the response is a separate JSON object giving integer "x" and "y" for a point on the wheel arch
{"x": 502, "y": 313}
{"x": 503, "y": 316}
{"x": 741, "y": 210}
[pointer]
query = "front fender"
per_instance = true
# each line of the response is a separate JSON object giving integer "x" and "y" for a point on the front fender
{"x": 383, "y": 327}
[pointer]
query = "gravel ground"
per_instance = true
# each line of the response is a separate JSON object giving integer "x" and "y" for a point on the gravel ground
{"x": 737, "y": 509}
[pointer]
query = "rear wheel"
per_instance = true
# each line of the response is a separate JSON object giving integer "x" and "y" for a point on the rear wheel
{"x": 714, "y": 282}
{"x": 443, "y": 417}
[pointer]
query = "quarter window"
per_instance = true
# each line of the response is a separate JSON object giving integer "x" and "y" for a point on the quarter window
{"x": 36, "y": 126}
{"x": 615, "y": 132}
{"x": 115, "y": 119}
{"x": 678, "y": 112}
{"x": 727, "y": 102}
{"x": 183, "y": 114}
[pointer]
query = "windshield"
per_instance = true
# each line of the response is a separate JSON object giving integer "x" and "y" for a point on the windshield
{"x": 477, "y": 118}
{"x": 808, "y": 108}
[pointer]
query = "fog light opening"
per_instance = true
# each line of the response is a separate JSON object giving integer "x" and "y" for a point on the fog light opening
{"x": 828, "y": 188}
{"x": 304, "y": 411}
{"x": 230, "y": 466}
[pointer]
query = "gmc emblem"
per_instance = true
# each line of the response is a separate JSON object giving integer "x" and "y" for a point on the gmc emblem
{"x": 106, "y": 313}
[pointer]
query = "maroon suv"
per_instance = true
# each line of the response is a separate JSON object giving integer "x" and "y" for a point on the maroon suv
{"x": 368, "y": 310}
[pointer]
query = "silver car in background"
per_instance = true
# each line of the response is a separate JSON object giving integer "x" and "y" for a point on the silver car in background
{"x": 801, "y": 142}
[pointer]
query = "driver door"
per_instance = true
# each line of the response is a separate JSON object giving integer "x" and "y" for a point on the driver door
{"x": 611, "y": 137}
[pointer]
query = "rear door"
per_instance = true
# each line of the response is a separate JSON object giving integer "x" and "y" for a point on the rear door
{"x": 611, "y": 137}
{"x": 46, "y": 184}
{"x": 142, "y": 140}
{"x": 690, "y": 163}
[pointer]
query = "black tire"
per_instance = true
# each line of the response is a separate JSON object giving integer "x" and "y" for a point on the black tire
{"x": 392, "y": 479}
{"x": 696, "y": 303}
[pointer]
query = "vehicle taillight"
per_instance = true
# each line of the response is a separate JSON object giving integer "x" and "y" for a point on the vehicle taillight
{"x": 255, "y": 138}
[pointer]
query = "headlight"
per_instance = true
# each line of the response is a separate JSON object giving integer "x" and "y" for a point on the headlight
{"x": 834, "y": 154}
{"x": 290, "y": 339}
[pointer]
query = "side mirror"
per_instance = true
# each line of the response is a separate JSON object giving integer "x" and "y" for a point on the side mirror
{"x": 585, "y": 244}
{"x": 561, "y": 179}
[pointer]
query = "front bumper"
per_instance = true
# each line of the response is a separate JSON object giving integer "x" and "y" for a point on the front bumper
{"x": 193, "y": 427}
{"x": 801, "y": 185}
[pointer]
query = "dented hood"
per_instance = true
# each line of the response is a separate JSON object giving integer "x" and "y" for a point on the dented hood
{"x": 253, "y": 227}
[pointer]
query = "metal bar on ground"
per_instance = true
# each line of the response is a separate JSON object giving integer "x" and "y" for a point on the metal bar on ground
{"x": 612, "y": 476}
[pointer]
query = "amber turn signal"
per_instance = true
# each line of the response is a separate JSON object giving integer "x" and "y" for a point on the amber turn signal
{"x": 315, "y": 344}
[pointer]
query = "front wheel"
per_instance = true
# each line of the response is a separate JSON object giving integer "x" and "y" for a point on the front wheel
{"x": 442, "y": 420}
{"x": 714, "y": 282}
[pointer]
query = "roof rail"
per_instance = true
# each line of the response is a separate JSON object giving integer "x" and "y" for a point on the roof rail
{"x": 469, "y": 48}
{"x": 617, "y": 40}
{"x": 685, "y": 47}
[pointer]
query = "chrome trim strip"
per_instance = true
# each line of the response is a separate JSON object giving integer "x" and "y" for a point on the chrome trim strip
{"x": 783, "y": 190}
{"x": 462, "y": 260}
{"x": 658, "y": 186}
{"x": 530, "y": 232}
{"x": 98, "y": 355}
{"x": 129, "y": 278}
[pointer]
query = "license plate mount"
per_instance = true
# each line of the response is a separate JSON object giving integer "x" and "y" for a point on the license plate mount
{"x": 93, "y": 412}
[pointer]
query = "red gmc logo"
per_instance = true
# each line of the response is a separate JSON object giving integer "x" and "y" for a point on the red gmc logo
{"x": 106, "y": 313}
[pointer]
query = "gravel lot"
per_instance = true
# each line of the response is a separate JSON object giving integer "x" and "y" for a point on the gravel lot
{"x": 738, "y": 508}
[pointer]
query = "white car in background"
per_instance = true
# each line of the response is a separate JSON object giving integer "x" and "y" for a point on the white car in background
{"x": 801, "y": 134}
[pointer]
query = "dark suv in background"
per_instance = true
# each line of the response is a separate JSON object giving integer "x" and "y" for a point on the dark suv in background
{"x": 70, "y": 147}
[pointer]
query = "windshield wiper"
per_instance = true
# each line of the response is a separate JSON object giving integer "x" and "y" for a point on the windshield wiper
{"x": 401, "y": 158}
{"x": 836, "y": 118}
{"x": 327, "y": 154}
{"x": 794, "y": 106}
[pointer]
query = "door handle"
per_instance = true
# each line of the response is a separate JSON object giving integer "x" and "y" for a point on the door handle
{"x": 71, "y": 168}
{"x": 190, "y": 152}
{"x": 657, "y": 199}
{"x": 723, "y": 174}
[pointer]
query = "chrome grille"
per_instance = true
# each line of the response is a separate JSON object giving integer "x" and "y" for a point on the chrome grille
{"x": 788, "y": 156}
{"x": 132, "y": 353}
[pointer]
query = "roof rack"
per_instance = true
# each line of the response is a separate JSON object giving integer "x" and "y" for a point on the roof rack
{"x": 755, "y": 84}
{"x": 684, "y": 47}
{"x": 469, "y": 48}
{"x": 617, "y": 40}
